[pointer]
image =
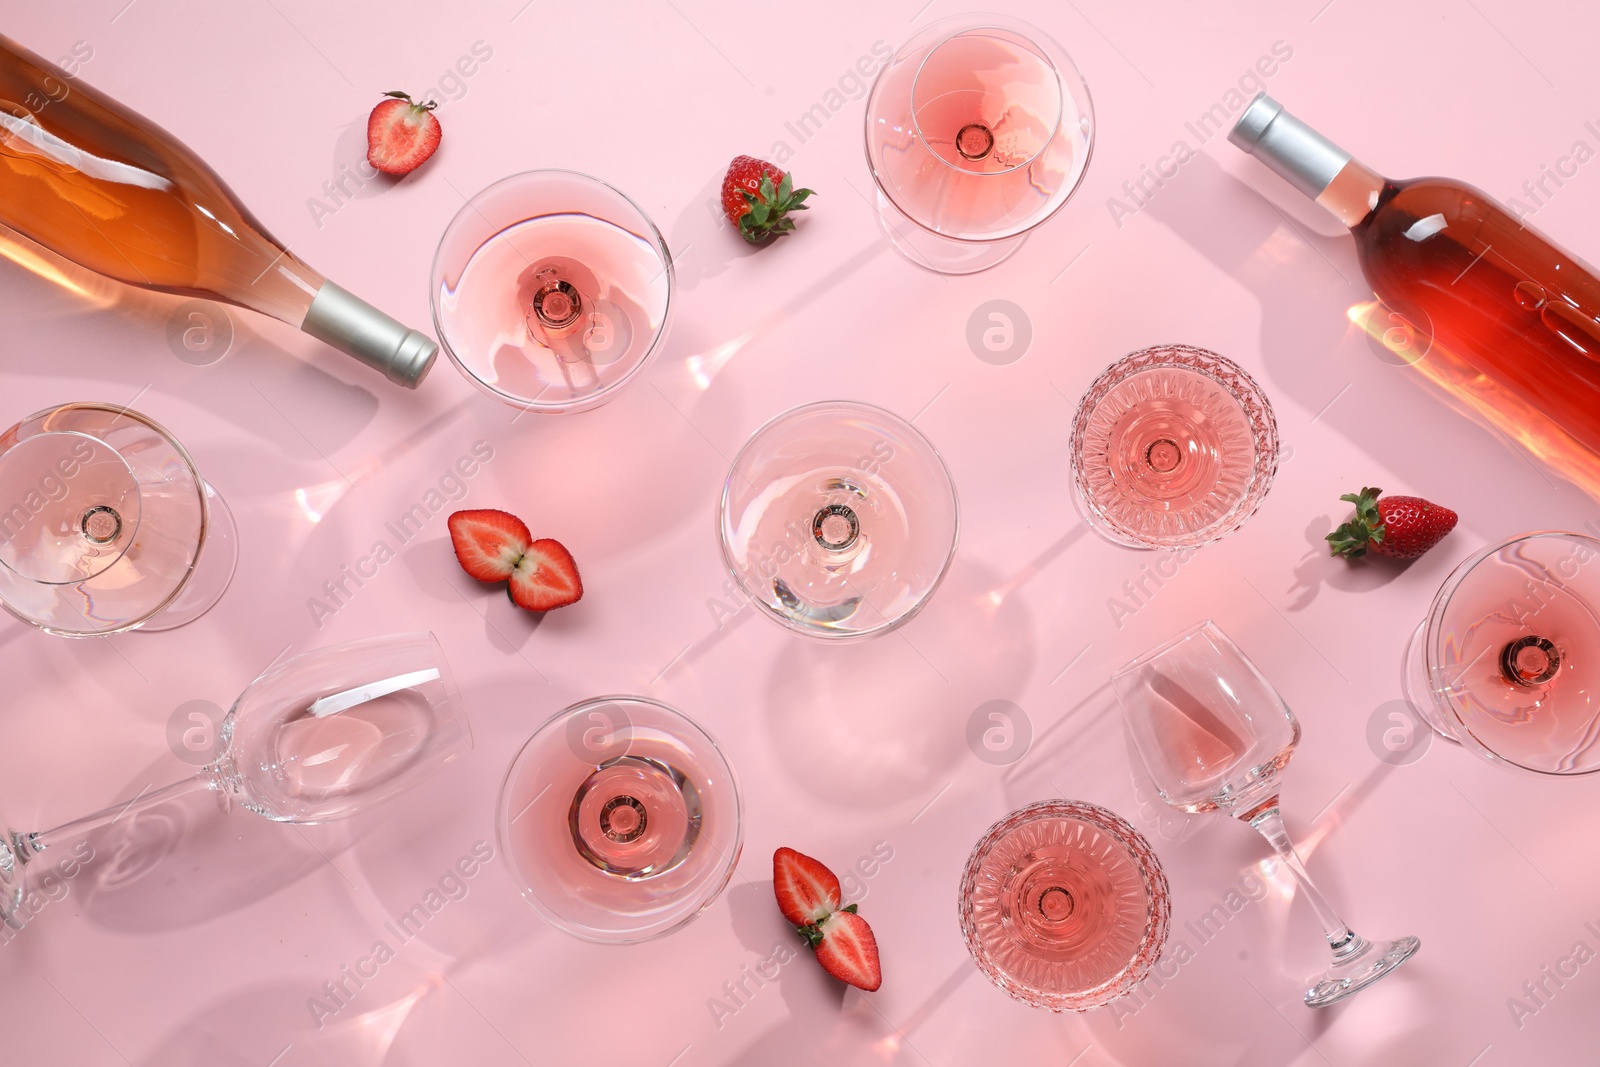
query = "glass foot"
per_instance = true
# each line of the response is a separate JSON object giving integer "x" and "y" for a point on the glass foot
{"x": 1359, "y": 969}
{"x": 1414, "y": 682}
{"x": 213, "y": 570}
{"x": 943, "y": 255}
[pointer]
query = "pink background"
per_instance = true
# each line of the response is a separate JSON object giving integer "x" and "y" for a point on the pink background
{"x": 195, "y": 939}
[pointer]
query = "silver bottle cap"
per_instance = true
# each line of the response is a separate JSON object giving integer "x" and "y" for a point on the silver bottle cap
{"x": 356, "y": 328}
{"x": 1293, "y": 150}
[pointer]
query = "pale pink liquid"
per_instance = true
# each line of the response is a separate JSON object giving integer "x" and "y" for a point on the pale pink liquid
{"x": 635, "y": 817}
{"x": 343, "y": 754}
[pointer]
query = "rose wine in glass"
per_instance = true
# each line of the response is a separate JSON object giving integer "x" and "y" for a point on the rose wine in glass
{"x": 1064, "y": 905}
{"x": 1215, "y": 736}
{"x": 621, "y": 818}
{"x": 838, "y": 519}
{"x": 111, "y": 191}
{"x": 1172, "y": 447}
{"x": 551, "y": 290}
{"x": 1507, "y": 662}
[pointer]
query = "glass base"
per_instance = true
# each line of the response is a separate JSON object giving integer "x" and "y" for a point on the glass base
{"x": 1416, "y": 686}
{"x": 213, "y": 570}
{"x": 1368, "y": 962}
{"x": 943, "y": 255}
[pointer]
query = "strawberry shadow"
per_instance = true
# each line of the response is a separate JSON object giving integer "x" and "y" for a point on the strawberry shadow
{"x": 1319, "y": 567}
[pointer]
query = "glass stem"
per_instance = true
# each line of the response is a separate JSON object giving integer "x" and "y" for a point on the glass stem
{"x": 31, "y": 845}
{"x": 1343, "y": 940}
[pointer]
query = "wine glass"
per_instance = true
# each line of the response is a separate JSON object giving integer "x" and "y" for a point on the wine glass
{"x": 1172, "y": 447}
{"x": 317, "y": 737}
{"x": 1064, "y": 905}
{"x": 106, "y": 525}
{"x": 622, "y": 819}
{"x": 550, "y": 290}
{"x": 1215, "y": 736}
{"x": 838, "y": 519}
{"x": 978, "y": 130}
{"x": 1501, "y": 663}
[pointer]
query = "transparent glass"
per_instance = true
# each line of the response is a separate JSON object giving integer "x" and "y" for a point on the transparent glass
{"x": 320, "y": 736}
{"x": 978, "y": 129}
{"x": 838, "y": 520}
{"x": 1172, "y": 447}
{"x": 622, "y": 819}
{"x": 1216, "y": 736}
{"x": 551, "y": 290}
{"x": 1064, "y": 905}
{"x": 106, "y": 525}
{"x": 1507, "y": 662}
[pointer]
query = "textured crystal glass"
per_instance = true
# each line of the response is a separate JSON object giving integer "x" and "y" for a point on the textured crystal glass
{"x": 106, "y": 525}
{"x": 1172, "y": 447}
{"x": 622, "y": 819}
{"x": 551, "y": 290}
{"x": 1507, "y": 662}
{"x": 1064, "y": 905}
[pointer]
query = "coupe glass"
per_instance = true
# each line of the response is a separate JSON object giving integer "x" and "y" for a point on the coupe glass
{"x": 1064, "y": 905}
{"x": 1172, "y": 447}
{"x": 106, "y": 525}
{"x": 1501, "y": 664}
{"x": 550, "y": 290}
{"x": 317, "y": 737}
{"x": 622, "y": 819}
{"x": 978, "y": 130}
{"x": 838, "y": 520}
{"x": 1215, "y": 736}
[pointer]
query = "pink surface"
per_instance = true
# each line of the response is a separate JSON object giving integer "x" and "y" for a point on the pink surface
{"x": 194, "y": 939}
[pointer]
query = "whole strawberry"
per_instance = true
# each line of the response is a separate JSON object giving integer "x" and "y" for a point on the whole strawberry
{"x": 757, "y": 198}
{"x": 401, "y": 134}
{"x": 1401, "y": 527}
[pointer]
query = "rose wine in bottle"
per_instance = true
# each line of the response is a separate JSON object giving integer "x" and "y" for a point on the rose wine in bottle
{"x": 106, "y": 188}
{"x": 1513, "y": 319}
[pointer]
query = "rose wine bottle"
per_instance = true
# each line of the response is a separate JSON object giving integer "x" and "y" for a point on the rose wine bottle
{"x": 1513, "y": 319}
{"x": 97, "y": 184}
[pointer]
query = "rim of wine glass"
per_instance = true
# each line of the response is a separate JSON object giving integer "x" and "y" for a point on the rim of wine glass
{"x": 714, "y": 885}
{"x": 1432, "y": 639}
{"x": 600, "y": 396}
{"x": 1078, "y": 91}
{"x": 1144, "y": 658}
{"x": 123, "y": 411}
{"x": 1158, "y": 915}
{"x": 760, "y": 603}
{"x": 1264, "y": 471}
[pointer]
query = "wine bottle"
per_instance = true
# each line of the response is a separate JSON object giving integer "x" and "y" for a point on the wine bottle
{"x": 110, "y": 190}
{"x": 1513, "y": 320}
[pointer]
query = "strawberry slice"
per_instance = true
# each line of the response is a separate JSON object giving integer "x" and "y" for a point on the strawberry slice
{"x": 848, "y": 951}
{"x": 489, "y": 543}
{"x": 401, "y": 134}
{"x": 807, "y": 891}
{"x": 546, "y": 577}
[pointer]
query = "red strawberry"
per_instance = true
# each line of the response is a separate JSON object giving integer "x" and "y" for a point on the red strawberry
{"x": 757, "y": 197}
{"x": 848, "y": 951}
{"x": 1401, "y": 527}
{"x": 401, "y": 135}
{"x": 807, "y": 891}
{"x": 495, "y": 546}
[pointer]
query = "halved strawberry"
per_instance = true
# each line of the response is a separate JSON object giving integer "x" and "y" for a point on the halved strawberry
{"x": 848, "y": 951}
{"x": 489, "y": 543}
{"x": 807, "y": 891}
{"x": 545, "y": 577}
{"x": 401, "y": 134}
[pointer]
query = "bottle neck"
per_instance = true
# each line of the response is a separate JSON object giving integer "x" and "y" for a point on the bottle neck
{"x": 1352, "y": 194}
{"x": 1307, "y": 160}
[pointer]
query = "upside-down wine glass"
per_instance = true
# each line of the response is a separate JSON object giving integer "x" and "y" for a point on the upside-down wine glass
{"x": 106, "y": 525}
{"x": 317, "y": 737}
{"x": 978, "y": 130}
{"x": 1216, "y": 736}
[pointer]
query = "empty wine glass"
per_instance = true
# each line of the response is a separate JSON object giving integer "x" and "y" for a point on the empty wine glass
{"x": 106, "y": 525}
{"x": 1172, "y": 447}
{"x": 978, "y": 130}
{"x": 550, "y": 290}
{"x": 622, "y": 819}
{"x": 1215, "y": 736}
{"x": 317, "y": 737}
{"x": 1064, "y": 905}
{"x": 1501, "y": 663}
{"x": 838, "y": 519}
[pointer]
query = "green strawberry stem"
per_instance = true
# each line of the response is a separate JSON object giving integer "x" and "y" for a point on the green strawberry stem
{"x": 770, "y": 207}
{"x": 1352, "y": 538}
{"x": 812, "y": 932}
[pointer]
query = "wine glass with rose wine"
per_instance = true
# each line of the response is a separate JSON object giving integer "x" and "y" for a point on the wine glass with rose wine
{"x": 1216, "y": 736}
